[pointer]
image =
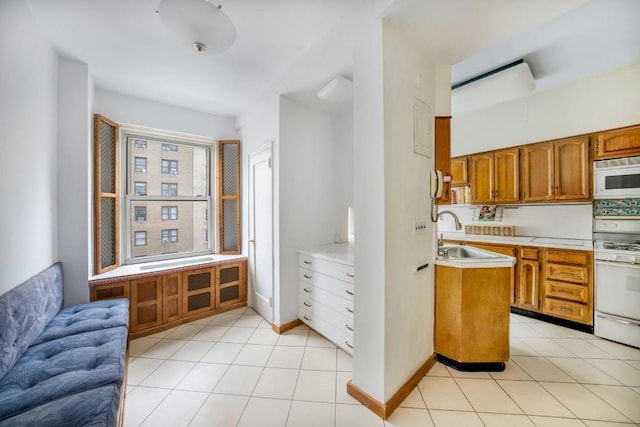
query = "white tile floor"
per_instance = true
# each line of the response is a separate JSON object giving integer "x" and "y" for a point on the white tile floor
{"x": 233, "y": 370}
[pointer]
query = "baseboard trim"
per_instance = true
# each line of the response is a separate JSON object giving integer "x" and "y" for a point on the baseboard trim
{"x": 280, "y": 329}
{"x": 384, "y": 410}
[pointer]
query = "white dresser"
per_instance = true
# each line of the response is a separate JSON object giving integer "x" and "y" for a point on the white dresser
{"x": 326, "y": 292}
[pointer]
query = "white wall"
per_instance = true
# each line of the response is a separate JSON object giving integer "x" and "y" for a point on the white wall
{"x": 602, "y": 102}
{"x": 309, "y": 186}
{"x": 130, "y": 110}
{"x": 28, "y": 85}
{"x": 74, "y": 177}
{"x": 409, "y": 311}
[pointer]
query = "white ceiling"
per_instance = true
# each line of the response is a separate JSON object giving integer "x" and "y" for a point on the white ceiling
{"x": 129, "y": 50}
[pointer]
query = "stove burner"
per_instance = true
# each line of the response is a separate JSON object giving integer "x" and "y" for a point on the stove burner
{"x": 623, "y": 246}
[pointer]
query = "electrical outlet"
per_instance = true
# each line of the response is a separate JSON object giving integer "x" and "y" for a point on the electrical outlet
{"x": 419, "y": 225}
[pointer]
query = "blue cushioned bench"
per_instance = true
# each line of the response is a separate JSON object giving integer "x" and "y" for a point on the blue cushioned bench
{"x": 60, "y": 366}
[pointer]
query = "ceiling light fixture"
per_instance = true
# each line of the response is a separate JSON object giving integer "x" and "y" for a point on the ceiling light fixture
{"x": 200, "y": 23}
{"x": 503, "y": 84}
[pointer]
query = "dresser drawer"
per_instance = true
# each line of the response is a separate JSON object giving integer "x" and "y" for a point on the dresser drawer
{"x": 340, "y": 305}
{"x": 327, "y": 314}
{"x": 331, "y": 284}
{"x": 567, "y": 257}
{"x": 567, "y": 310}
{"x": 329, "y": 268}
{"x": 566, "y": 291}
{"x": 340, "y": 337}
{"x": 567, "y": 273}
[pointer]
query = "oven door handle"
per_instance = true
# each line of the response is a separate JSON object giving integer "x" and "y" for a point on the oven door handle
{"x": 618, "y": 264}
{"x": 617, "y": 319}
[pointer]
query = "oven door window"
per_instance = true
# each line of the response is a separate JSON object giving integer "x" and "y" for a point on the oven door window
{"x": 618, "y": 289}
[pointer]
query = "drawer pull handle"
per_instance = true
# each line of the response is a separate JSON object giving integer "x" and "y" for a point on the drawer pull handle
{"x": 307, "y": 290}
{"x": 348, "y": 345}
{"x": 306, "y": 276}
{"x": 307, "y": 304}
{"x": 350, "y": 275}
{"x": 346, "y": 325}
{"x": 307, "y": 262}
{"x": 349, "y": 309}
{"x": 349, "y": 292}
{"x": 307, "y": 318}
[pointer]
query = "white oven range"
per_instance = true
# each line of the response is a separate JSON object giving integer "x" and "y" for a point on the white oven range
{"x": 617, "y": 279}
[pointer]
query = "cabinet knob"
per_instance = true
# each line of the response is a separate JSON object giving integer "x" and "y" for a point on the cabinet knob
{"x": 348, "y": 345}
{"x": 349, "y": 292}
{"x": 307, "y": 262}
{"x": 346, "y": 325}
{"x": 306, "y": 276}
{"x": 349, "y": 309}
{"x": 307, "y": 318}
{"x": 307, "y": 304}
{"x": 307, "y": 290}
{"x": 350, "y": 275}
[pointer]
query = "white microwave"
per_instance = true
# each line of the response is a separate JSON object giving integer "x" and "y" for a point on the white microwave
{"x": 616, "y": 178}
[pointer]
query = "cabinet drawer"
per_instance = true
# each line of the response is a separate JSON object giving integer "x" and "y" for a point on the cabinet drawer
{"x": 566, "y": 291}
{"x": 340, "y": 305}
{"x": 327, "y": 314}
{"x": 567, "y": 310}
{"x": 341, "y": 288}
{"x": 529, "y": 253}
{"x": 330, "y": 268}
{"x": 567, "y": 257}
{"x": 567, "y": 273}
{"x": 339, "y": 337}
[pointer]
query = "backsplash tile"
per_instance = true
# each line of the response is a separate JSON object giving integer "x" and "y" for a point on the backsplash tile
{"x": 616, "y": 207}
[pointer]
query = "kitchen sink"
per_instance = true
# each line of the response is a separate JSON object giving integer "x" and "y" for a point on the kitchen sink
{"x": 460, "y": 252}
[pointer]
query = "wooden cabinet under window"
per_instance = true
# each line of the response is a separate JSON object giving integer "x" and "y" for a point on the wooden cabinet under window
{"x": 624, "y": 142}
{"x": 568, "y": 285}
{"x": 528, "y": 290}
{"x": 162, "y": 300}
{"x": 146, "y": 303}
{"x": 495, "y": 176}
{"x": 557, "y": 171}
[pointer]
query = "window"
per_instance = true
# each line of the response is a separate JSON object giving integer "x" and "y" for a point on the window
{"x": 169, "y": 189}
{"x": 140, "y": 213}
{"x": 127, "y": 224}
{"x": 140, "y": 188}
{"x": 170, "y": 236}
{"x": 169, "y": 212}
{"x": 140, "y": 238}
{"x": 141, "y": 164}
{"x": 170, "y": 166}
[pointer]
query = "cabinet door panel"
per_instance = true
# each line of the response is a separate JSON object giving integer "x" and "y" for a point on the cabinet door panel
{"x": 572, "y": 169}
{"x": 567, "y": 310}
{"x": 230, "y": 281}
{"x": 529, "y": 285}
{"x": 567, "y": 273}
{"x": 459, "y": 175}
{"x": 198, "y": 291}
{"x": 568, "y": 291}
{"x": 481, "y": 179}
{"x": 146, "y": 303}
{"x": 618, "y": 143}
{"x": 172, "y": 297}
{"x": 507, "y": 175}
{"x": 537, "y": 173}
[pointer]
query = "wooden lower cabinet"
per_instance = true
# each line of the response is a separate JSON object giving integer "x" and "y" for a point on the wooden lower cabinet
{"x": 163, "y": 300}
{"x": 505, "y": 250}
{"x": 528, "y": 289}
{"x": 146, "y": 303}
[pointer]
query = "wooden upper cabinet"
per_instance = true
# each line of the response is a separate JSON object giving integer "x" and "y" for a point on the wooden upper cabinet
{"x": 537, "y": 172}
{"x": 557, "y": 170}
{"x": 442, "y": 135}
{"x": 623, "y": 142}
{"x": 459, "y": 171}
{"x": 495, "y": 176}
{"x": 481, "y": 177}
{"x": 572, "y": 169}
{"x": 507, "y": 175}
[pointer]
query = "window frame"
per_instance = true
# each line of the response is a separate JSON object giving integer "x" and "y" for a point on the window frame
{"x": 169, "y": 210}
{"x": 171, "y": 167}
{"x": 126, "y": 239}
{"x": 141, "y": 169}
{"x": 135, "y": 237}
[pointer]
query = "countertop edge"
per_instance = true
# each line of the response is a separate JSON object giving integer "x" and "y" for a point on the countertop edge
{"x": 336, "y": 252}
{"x": 587, "y": 245}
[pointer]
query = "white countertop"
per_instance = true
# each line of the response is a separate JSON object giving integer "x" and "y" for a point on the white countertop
{"x": 342, "y": 252}
{"x": 544, "y": 242}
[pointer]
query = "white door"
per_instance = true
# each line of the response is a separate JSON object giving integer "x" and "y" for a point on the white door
{"x": 261, "y": 233}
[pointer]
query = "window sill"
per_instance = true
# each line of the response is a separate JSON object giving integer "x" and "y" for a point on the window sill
{"x": 162, "y": 266}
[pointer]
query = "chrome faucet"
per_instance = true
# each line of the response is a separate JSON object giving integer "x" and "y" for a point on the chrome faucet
{"x": 455, "y": 218}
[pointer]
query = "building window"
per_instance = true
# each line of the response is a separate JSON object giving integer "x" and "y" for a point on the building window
{"x": 140, "y": 188}
{"x": 169, "y": 189}
{"x": 169, "y": 212}
{"x": 170, "y": 166}
{"x": 141, "y": 213}
{"x": 141, "y": 164}
{"x": 140, "y": 238}
{"x": 170, "y": 236}
{"x": 169, "y": 147}
{"x": 139, "y": 143}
